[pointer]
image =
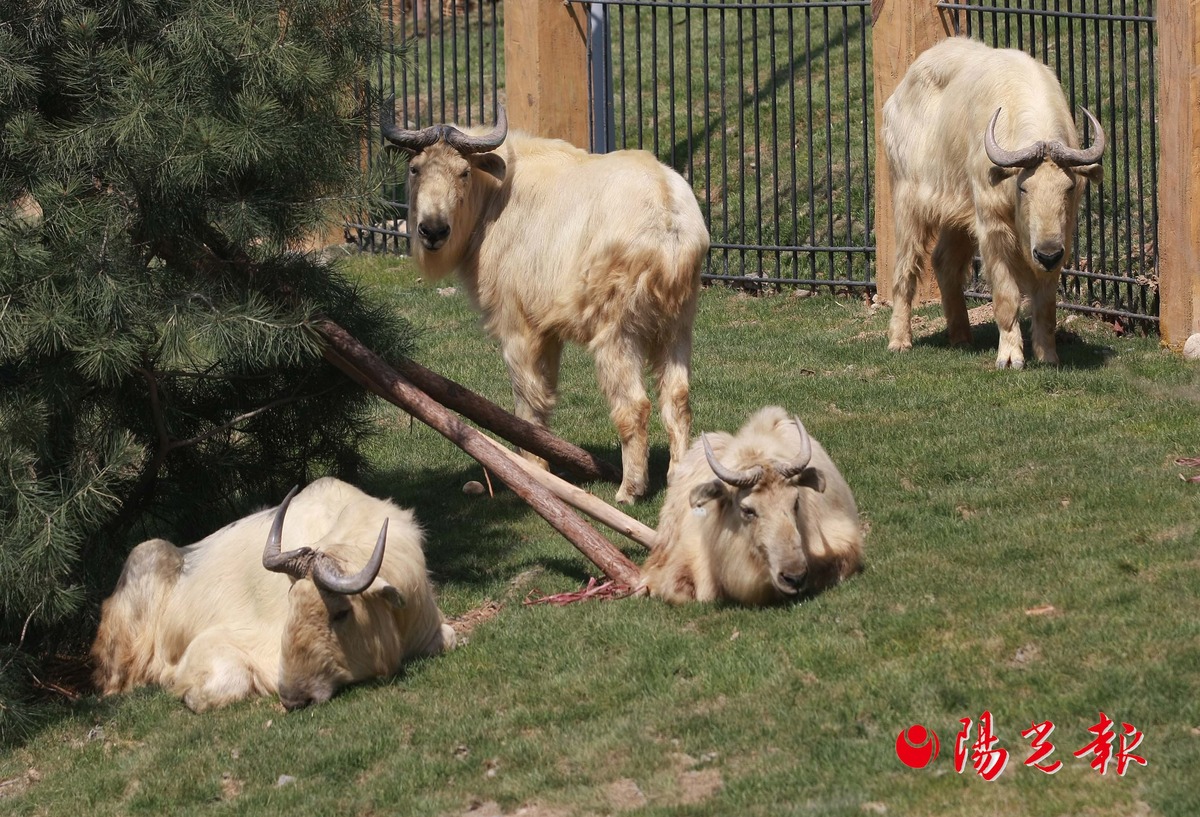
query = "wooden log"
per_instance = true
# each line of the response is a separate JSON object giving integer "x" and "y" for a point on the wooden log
{"x": 535, "y": 439}
{"x": 1178, "y": 29}
{"x": 546, "y": 69}
{"x": 581, "y": 500}
{"x": 367, "y": 368}
{"x": 901, "y": 30}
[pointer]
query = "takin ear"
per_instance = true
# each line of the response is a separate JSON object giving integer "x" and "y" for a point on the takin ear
{"x": 998, "y": 175}
{"x": 390, "y": 595}
{"x": 708, "y": 491}
{"x": 810, "y": 478}
{"x": 490, "y": 163}
{"x": 1093, "y": 173}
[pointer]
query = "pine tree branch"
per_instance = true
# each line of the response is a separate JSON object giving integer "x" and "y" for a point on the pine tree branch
{"x": 212, "y": 432}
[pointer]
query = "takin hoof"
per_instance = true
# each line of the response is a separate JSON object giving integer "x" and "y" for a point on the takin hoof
{"x": 627, "y": 495}
{"x": 900, "y": 345}
{"x": 1010, "y": 362}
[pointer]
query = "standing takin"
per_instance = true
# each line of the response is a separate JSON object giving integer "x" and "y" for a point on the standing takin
{"x": 983, "y": 154}
{"x": 554, "y": 244}
{"x": 755, "y": 518}
{"x": 212, "y": 626}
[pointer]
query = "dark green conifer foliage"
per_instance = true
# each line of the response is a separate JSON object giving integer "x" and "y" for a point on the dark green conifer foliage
{"x": 158, "y": 370}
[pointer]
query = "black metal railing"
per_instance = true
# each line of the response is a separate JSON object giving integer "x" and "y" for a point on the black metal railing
{"x": 767, "y": 109}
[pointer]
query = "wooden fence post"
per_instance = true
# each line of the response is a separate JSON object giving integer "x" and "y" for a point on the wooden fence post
{"x": 901, "y": 30}
{"x": 1179, "y": 170}
{"x": 545, "y": 68}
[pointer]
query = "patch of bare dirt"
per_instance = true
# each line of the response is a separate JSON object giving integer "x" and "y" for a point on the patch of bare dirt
{"x": 981, "y": 314}
{"x": 1025, "y": 654}
{"x": 465, "y": 624}
{"x": 698, "y": 785}
{"x": 20, "y": 784}
{"x": 921, "y": 325}
{"x": 231, "y": 787}
{"x": 625, "y": 794}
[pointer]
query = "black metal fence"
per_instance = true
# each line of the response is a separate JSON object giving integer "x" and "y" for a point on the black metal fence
{"x": 766, "y": 108}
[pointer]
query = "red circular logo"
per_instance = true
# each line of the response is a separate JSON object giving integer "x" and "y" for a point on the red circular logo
{"x": 917, "y": 746}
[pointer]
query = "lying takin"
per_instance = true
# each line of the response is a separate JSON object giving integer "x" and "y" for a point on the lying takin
{"x": 227, "y": 618}
{"x": 983, "y": 155}
{"x": 553, "y": 244}
{"x": 757, "y": 517}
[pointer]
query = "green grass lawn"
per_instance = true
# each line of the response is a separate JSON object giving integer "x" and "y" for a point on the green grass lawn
{"x": 1031, "y": 552}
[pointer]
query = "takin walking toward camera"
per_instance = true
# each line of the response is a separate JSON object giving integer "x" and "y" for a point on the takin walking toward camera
{"x": 757, "y": 517}
{"x": 227, "y": 618}
{"x": 983, "y": 155}
{"x": 553, "y": 244}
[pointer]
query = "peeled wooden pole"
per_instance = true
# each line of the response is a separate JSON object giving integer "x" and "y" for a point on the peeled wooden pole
{"x": 528, "y": 436}
{"x": 581, "y": 500}
{"x": 367, "y": 368}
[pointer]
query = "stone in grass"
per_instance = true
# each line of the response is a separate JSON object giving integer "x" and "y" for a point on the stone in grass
{"x": 1191, "y": 349}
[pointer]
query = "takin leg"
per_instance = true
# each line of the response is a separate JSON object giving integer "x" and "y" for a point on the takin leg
{"x": 951, "y": 262}
{"x": 1044, "y": 315}
{"x": 672, "y": 368}
{"x": 214, "y": 671}
{"x": 1006, "y": 303}
{"x": 619, "y": 370}
{"x": 533, "y": 364}
{"x": 912, "y": 237}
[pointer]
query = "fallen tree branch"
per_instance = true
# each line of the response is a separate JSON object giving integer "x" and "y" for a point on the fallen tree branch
{"x": 532, "y": 438}
{"x": 368, "y": 369}
{"x": 581, "y": 500}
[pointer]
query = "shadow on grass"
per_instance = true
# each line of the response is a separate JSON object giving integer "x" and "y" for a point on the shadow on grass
{"x": 1073, "y": 351}
{"x": 475, "y": 540}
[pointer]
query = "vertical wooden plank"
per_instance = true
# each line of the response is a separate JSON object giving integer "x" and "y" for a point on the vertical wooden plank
{"x": 545, "y": 68}
{"x": 901, "y": 30}
{"x": 1179, "y": 170}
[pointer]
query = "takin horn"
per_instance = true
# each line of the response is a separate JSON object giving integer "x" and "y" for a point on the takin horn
{"x": 801, "y": 461}
{"x": 328, "y": 575}
{"x": 739, "y": 479}
{"x": 305, "y": 562}
{"x": 1064, "y": 156}
{"x": 414, "y": 140}
{"x": 295, "y": 563}
{"x": 1025, "y": 157}
{"x": 418, "y": 140}
{"x": 465, "y": 144}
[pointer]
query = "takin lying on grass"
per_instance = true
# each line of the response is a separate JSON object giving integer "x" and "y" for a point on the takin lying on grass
{"x": 983, "y": 155}
{"x": 227, "y": 618}
{"x": 757, "y": 517}
{"x": 553, "y": 244}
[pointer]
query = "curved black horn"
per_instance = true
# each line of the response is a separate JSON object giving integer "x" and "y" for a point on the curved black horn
{"x": 1025, "y": 157}
{"x": 414, "y": 140}
{"x": 1064, "y": 156}
{"x": 295, "y": 563}
{"x": 328, "y": 575}
{"x": 465, "y": 143}
{"x": 802, "y": 459}
{"x": 740, "y": 479}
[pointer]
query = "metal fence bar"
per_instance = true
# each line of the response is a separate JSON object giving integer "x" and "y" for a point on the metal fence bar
{"x": 766, "y": 109}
